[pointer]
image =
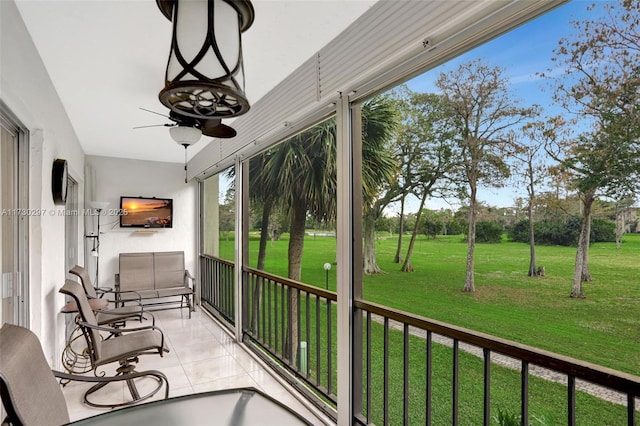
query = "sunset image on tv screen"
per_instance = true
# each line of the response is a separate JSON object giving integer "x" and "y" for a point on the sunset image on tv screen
{"x": 146, "y": 212}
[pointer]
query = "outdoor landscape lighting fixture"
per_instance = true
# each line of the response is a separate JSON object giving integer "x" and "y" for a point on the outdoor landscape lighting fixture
{"x": 327, "y": 268}
{"x": 205, "y": 73}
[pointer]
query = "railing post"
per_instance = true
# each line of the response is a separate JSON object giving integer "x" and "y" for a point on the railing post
{"x": 487, "y": 386}
{"x": 428, "y": 378}
{"x": 571, "y": 400}
{"x": 455, "y": 383}
{"x": 405, "y": 360}
{"x": 524, "y": 393}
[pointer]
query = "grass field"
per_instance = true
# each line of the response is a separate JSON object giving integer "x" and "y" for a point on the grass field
{"x": 604, "y": 328}
{"x": 547, "y": 400}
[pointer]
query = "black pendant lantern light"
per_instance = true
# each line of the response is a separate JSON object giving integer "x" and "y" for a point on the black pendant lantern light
{"x": 205, "y": 73}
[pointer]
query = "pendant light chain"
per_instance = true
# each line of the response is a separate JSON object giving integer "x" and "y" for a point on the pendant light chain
{"x": 185, "y": 163}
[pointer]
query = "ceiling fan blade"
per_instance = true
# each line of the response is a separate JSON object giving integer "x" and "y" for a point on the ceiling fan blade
{"x": 214, "y": 128}
{"x": 157, "y": 113}
{"x": 155, "y": 125}
{"x": 183, "y": 120}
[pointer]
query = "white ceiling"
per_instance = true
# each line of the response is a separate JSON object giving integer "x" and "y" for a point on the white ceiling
{"x": 106, "y": 59}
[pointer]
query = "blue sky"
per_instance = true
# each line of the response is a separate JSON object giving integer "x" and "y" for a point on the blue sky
{"x": 522, "y": 53}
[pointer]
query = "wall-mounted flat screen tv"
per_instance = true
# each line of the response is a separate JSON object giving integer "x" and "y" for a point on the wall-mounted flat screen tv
{"x": 146, "y": 212}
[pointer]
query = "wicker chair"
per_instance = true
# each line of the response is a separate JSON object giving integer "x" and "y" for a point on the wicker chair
{"x": 28, "y": 387}
{"x": 124, "y": 345}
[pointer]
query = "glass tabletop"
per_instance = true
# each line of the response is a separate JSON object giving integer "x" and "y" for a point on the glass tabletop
{"x": 242, "y": 406}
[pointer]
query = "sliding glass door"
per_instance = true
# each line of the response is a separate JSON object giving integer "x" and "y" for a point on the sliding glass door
{"x": 13, "y": 222}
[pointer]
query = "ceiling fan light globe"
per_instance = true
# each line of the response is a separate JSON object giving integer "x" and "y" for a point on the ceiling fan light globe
{"x": 185, "y": 135}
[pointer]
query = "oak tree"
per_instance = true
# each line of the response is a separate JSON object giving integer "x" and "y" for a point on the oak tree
{"x": 601, "y": 85}
{"x": 483, "y": 110}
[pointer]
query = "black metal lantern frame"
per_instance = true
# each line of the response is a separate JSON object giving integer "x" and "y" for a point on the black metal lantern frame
{"x": 205, "y": 72}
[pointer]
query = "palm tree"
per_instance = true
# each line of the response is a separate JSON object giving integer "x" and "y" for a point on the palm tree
{"x": 380, "y": 121}
{"x": 301, "y": 174}
{"x": 261, "y": 194}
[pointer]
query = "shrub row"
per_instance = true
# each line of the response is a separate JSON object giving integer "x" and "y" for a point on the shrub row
{"x": 563, "y": 233}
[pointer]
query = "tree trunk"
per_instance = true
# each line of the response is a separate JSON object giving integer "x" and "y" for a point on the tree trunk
{"x": 407, "y": 266}
{"x": 296, "y": 245}
{"x": 620, "y": 222}
{"x": 581, "y": 270}
{"x": 586, "y": 275}
{"x": 369, "y": 231}
{"x": 576, "y": 289}
{"x": 469, "y": 282}
{"x": 398, "y": 257}
{"x": 533, "y": 270}
{"x": 264, "y": 234}
{"x": 262, "y": 250}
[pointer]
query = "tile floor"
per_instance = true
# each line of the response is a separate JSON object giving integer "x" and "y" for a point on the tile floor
{"x": 202, "y": 357}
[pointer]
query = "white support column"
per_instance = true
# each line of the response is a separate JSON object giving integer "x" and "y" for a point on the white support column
{"x": 241, "y": 240}
{"x": 199, "y": 241}
{"x": 349, "y": 255}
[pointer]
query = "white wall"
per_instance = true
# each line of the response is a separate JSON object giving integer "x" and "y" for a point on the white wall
{"x": 26, "y": 89}
{"x": 116, "y": 177}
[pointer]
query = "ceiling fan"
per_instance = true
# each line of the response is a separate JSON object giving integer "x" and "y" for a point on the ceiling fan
{"x": 212, "y": 127}
{"x": 187, "y": 130}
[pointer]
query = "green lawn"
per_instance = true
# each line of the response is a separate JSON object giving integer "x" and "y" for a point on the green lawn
{"x": 547, "y": 401}
{"x": 604, "y": 328}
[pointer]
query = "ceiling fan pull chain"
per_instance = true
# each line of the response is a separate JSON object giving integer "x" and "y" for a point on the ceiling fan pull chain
{"x": 185, "y": 164}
